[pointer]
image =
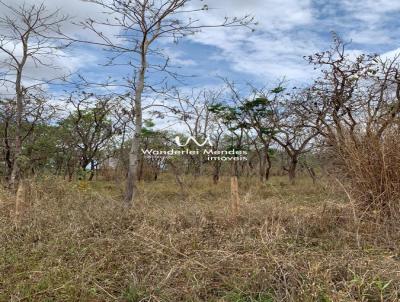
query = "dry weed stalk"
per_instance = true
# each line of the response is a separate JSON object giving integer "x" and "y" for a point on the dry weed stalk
{"x": 235, "y": 199}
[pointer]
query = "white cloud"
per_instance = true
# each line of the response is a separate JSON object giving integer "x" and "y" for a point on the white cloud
{"x": 272, "y": 15}
{"x": 371, "y": 11}
{"x": 178, "y": 57}
{"x": 390, "y": 55}
{"x": 369, "y": 36}
{"x": 54, "y": 65}
{"x": 272, "y": 51}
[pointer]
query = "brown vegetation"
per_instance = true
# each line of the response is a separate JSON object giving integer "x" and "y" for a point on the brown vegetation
{"x": 289, "y": 243}
{"x": 371, "y": 170}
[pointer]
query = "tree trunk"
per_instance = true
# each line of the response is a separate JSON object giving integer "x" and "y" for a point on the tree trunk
{"x": 261, "y": 172}
{"x": 311, "y": 172}
{"x": 19, "y": 92}
{"x": 132, "y": 179}
{"x": 235, "y": 168}
{"x": 268, "y": 166}
{"x": 70, "y": 169}
{"x": 217, "y": 169}
{"x": 292, "y": 169}
{"x": 265, "y": 166}
{"x": 7, "y": 152}
{"x": 92, "y": 170}
{"x": 9, "y": 164}
{"x": 16, "y": 171}
{"x": 141, "y": 168}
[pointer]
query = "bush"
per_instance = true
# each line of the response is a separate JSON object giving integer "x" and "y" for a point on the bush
{"x": 371, "y": 170}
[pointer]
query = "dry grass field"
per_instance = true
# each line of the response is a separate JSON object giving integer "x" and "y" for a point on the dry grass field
{"x": 289, "y": 243}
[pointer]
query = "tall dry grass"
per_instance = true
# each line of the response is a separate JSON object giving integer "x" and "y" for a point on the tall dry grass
{"x": 288, "y": 243}
{"x": 370, "y": 167}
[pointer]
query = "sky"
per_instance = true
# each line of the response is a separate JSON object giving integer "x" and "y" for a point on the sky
{"x": 287, "y": 31}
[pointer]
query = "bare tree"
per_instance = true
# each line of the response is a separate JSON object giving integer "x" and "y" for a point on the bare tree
{"x": 140, "y": 24}
{"x": 24, "y": 41}
{"x": 192, "y": 112}
{"x": 354, "y": 95}
{"x": 294, "y": 130}
{"x": 357, "y": 100}
{"x": 216, "y": 134}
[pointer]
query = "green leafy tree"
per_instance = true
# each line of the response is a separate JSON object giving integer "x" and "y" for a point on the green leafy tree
{"x": 88, "y": 129}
